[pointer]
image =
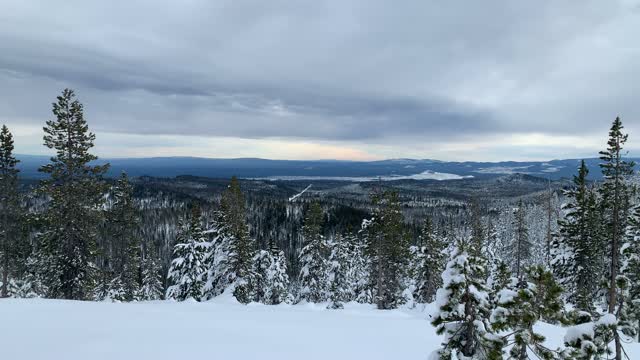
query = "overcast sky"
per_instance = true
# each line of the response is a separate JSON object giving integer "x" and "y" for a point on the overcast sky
{"x": 342, "y": 79}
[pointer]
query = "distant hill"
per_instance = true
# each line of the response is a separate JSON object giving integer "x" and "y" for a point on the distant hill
{"x": 329, "y": 169}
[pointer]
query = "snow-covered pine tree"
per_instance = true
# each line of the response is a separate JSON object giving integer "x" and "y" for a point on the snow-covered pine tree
{"x": 387, "y": 249}
{"x": 241, "y": 245}
{"x": 116, "y": 290}
{"x": 431, "y": 265}
{"x": 414, "y": 266}
{"x": 271, "y": 281}
{"x": 22, "y": 289}
{"x": 575, "y": 248}
{"x": 151, "y": 287}
{"x": 277, "y": 277}
{"x": 357, "y": 270}
{"x": 478, "y": 238}
{"x": 590, "y": 340}
{"x": 261, "y": 264}
{"x": 313, "y": 258}
{"x": 10, "y": 219}
{"x": 337, "y": 272}
{"x": 123, "y": 222}
{"x": 187, "y": 271}
{"x": 631, "y": 271}
{"x": 521, "y": 244}
{"x": 615, "y": 203}
{"x": 67, "y": 244}
{"x": 464, "y": 310}
{"x": 493, "y": 245}
{"x": 103, "y": 279}
{"x": 519, "y": 307}
{"x": 499, "y": 279}
{"x": 216, "y": 259}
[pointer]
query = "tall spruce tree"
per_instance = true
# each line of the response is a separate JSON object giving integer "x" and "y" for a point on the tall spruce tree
{"x": 478, "y": 238}
{"x": 230, "y": 259}
{"x": 151, "y": 287}
{"x": 615, "y": 202}
{"x": 631, "y": 271}
{"x": 123, "y": 223}
{"x": 10, "y": 218}
{"x": 357, "y": 270}
{"x": 67, "y": 244}
{"x": 388, "y": 250}
{"x": 521, "y": 245}
{"x": 433, "y": 261}
{"x": 337, "y": 269}
{"x": 261, "y": 264}
{"x": 464, "y": 310}
{"x": 277, "y": 278}
{"x": 576, "y": 247}
{"x": 312, "y": 279}
{"x": 188, "y": 270}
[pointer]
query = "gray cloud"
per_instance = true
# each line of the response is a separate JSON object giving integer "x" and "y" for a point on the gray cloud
{"x": 355, "y": 71}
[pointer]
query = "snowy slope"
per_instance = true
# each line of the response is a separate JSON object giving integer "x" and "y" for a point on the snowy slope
{"x": 221, "y": 329}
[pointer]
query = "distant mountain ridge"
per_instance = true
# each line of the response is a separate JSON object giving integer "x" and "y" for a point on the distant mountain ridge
{"x": 391, "y": 169}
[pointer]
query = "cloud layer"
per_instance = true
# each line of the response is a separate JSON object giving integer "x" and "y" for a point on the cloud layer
{"x": 365, "y": 79}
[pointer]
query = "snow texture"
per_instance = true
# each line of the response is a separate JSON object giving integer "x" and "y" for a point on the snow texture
{"x": 221, "y": 329}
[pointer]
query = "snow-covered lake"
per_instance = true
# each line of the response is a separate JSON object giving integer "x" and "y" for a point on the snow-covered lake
{"x": 221, "y": 329}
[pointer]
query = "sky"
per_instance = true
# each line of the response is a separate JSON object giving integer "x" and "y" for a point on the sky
{"x": 333, "y": 79}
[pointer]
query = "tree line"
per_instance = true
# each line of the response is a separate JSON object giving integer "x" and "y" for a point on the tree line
{"x": 490, "y": 291}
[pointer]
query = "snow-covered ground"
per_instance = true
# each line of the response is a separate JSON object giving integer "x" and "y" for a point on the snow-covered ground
{"x": 220, "y": 329}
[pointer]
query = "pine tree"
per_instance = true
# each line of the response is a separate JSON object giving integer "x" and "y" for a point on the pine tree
{"x": 432, "y": 264}
{"x": 116, "y": 290}
{"x": 312, "y": 259}
{"x": 337, "y": 273}
{"x": 589, "y": 340}
{"x": 230, "y": 259}
{"x": 123, "y": 222}
{"x": 575, "y": 249}
{"x": 499, "y": 279}
{"x": 357, "y": 270}
{"x": 478, "y": 239}
{"x": 520, "y": 307}
{"x": 10, "y": 218}
{"x": 615, "y": 199}
{"x": 241, "y": 246}
{"x": 151, "y": 287}
{"x": 464, "y": 310}
{"x": 271, "y": 282}
{"x": 387, "y": 248}
{"x": 631, "y": 272}
{"x": 521, "y": 244}
{"x": 75, "y": 190}
{"x": 187, "y": 270}
{"x": 261, "y": 264}
{"x": 277, "y": 278}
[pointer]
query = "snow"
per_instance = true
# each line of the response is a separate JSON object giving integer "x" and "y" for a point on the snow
{"x": 579, "y": 332}
{"x": 221, "y": 329}
{"x": 294, "y": 197}
{"x": 607, "y": 320}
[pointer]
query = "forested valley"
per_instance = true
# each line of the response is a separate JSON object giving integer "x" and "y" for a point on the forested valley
{"x": 496, "y": 255}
